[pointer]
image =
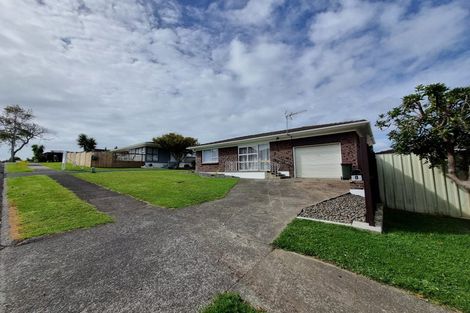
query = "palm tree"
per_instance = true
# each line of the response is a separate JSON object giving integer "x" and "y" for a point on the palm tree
{"x": 86, "y": 143}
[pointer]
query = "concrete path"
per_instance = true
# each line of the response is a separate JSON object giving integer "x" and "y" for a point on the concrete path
{"x": 160, "y": 260}
{"x": 289, "y": 282}
{"x": 37, "y": 168}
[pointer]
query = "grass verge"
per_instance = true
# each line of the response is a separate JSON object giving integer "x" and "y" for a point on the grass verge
{"x": 165, "y": 188}
{"x": 230, "y": 302}
{"x": 18, "y": 167}
{"x": 428, "y": 255}
{"x": 45, "y": 207}
{"x": 75, "y": 168}
{"x": 68, "y": 167}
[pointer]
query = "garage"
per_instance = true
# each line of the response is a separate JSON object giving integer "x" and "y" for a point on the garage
{"x": 319, "y": 161}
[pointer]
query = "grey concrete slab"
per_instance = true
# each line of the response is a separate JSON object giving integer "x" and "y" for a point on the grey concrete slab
{"x": 289, "y": 282}
{"x": 159, "y": 260}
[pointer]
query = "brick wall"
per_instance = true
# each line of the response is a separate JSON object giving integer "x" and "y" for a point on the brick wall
{"x": 282, "y": 151}
{"x": 225, "y": 154}
{"x": 356, "y": 184}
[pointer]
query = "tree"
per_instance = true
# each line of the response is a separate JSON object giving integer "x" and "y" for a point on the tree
{"x": 17, "y": 128}
{"x": 38, "y": 153}
{"x": 433, "y": 123}
{"x": 176, "y": 144}
{"x": 86, "y": 143}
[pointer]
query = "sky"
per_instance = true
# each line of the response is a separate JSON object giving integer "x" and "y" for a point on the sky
{"x": 125, "y": 71}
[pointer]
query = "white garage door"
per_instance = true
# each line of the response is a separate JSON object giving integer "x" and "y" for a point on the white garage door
{"x": 322, "y": 161}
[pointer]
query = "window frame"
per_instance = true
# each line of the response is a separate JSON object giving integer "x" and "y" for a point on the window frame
{"x": 152, "y": 155}
{"x": 213, "y": 160}
{"x": 247, "y": 165}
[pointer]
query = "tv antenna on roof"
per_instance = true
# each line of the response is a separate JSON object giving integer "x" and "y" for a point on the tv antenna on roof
{"x": 289, "y": 116}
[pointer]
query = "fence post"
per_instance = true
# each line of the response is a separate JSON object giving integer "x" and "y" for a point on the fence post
{"x": 368, "y": 190}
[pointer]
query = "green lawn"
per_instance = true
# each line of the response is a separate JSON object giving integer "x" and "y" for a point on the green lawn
{"x": 68, "y": 167}
{"x": 18, "y": 167}
{"x": 428, "y": 255}
{"x": 165, "y": 188}
{"x": 230, "y": 302}
{"x": 45, "y": 207}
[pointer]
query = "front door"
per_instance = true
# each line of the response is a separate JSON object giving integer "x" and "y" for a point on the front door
{"x": 263, "y": 157}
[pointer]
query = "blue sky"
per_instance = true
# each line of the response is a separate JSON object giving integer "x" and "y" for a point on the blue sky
{"x": 126, "y": 71}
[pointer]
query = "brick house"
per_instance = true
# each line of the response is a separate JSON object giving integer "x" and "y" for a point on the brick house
{"x": 316, "y": 151}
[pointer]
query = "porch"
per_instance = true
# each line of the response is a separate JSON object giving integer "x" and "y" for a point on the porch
{"x": 260, "y": 169}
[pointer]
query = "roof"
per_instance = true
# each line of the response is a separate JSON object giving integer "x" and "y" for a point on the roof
{"x": 388, "y": 151}
{"x": 304, "y": 131}
{"x": 137, "y": 145}
{"x": 54, "y": 151}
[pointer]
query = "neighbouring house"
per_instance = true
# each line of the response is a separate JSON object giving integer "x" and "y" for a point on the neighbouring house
{"x": 151, "y": 156}
{"x": 103, "y": 158}
{"x": 53, "y": 156}
{"x": 316, "y": 151}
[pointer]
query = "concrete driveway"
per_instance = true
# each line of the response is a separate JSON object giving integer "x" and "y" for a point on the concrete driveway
{"x": 160, "y": 260}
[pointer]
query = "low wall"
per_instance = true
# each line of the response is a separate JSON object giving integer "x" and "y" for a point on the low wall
{"x": 118, "y": 164}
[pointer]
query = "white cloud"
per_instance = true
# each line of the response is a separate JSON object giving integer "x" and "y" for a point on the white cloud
{"x": 350, "y": 17}
{"x": 255, "y": 12}
{"x": 428, "y": 32}
{"x": 263, "y": 60}
{"x": 126, "y": 71}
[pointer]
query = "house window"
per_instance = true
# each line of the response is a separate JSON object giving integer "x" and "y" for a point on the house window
{"x": 254, "y": 157}
{"x": 210, "y": 156}
{"x": 151, "y": 155}
{"x": 136, "y": 154}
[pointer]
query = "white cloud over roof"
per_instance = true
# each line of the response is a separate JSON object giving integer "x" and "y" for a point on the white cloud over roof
{"x": 126, "y": 71}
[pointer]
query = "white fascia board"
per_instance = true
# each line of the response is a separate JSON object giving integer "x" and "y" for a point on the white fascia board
{"x": 135, "y": 146}
{"x": 358, "y": 127}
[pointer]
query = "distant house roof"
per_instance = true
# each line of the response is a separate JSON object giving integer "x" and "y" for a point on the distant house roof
{"x": 54, "y": 151}
{"x": 361, "y": 126}
{"x": 137, "y": 145}
{"x": 388, "y": 151}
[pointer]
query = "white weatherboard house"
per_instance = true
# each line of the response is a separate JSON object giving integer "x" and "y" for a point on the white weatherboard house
{"x": 151, "y": 155}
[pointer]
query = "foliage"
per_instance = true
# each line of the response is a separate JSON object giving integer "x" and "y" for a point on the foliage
{"x": 88, "y": 144}
{"x": 230, "y": 302}
{"x": 18, "y": 167}
{"x": 176, "y": 144}
{"x": 38, "y": 153}
{"x": 429, "y": 255}
{"x": 45, "y": 207}
{"x": 433, "y": 123}
{"x": 165, "y": 188}
{"x": 17, "y": 128}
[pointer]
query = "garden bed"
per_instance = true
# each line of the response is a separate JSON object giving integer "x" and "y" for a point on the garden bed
{"x": 343, "y": 209}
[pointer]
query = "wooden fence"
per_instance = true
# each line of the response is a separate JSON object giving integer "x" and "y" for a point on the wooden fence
{"x": 407, "y": 183}
{"x": 99, "y": 159}
{"x": 79, "y": 158}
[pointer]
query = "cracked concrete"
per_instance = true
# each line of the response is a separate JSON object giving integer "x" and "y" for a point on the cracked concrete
{"x": 160, "y": 260}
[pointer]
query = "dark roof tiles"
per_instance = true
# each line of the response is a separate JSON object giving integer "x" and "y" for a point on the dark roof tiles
{"x": 279, "y": 132}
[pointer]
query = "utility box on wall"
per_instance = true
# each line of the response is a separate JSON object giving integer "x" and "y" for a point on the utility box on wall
{"x": 356, "y": 177}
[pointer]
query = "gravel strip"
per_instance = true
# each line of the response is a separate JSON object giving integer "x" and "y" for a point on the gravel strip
{"x": 344, "y": 209}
